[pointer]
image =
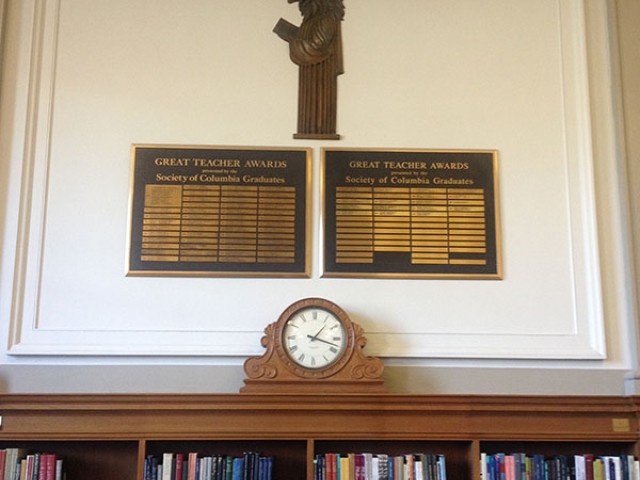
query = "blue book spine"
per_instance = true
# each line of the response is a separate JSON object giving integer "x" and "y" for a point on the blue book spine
{"x": 442, "y": 468}
{"x": 147, "y": 468}
{"x": 238, "y": 468}
{"x": 154, "y": 468}
{"x": 491, "y": 467}
{"x": 316, "y": 467}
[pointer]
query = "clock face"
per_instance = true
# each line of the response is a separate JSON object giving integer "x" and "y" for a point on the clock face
{"x": 314, "y": 338}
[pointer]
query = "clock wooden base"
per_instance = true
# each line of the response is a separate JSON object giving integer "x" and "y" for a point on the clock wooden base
{"x": 314, "y": 387}
{"x": 281, "y": 368}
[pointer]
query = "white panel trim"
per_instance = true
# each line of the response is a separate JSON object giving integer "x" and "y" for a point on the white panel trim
{"x": 586, "y": 341}
{"x": 35, "y": 166}
{"x": 580, "y": 165}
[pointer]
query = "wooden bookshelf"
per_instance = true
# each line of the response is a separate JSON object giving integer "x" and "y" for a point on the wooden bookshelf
{"x": 108, "y": 436}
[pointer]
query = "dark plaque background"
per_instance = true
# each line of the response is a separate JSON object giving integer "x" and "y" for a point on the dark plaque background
{"x": 410, "y": 214}
{"x": 219, "y": 211}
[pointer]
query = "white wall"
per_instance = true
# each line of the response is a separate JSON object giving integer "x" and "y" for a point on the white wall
{"x": 629, "y": 39}
{"x": 82, "y": 81}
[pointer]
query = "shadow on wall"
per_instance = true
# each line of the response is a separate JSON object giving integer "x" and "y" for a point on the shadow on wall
{"x": 121, "y": 379}
{"x": 216, "y": 379}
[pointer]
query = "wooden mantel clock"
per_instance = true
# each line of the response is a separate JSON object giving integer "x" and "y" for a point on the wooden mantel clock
{"x": 313, "y": 347}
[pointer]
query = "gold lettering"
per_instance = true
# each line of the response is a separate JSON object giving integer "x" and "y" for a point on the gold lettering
{"x": 216, "y": 162}
{"x": 363, "y": 164}
{"x": 265, "y": 164}
{"x": 171, "y": 162}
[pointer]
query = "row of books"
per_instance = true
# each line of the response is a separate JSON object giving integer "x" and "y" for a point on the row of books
{"x": 19, "y": 464}
{"x": 192, "y": 466}
{"x": 367, "y": 466}
{"x": 519, "y": 466}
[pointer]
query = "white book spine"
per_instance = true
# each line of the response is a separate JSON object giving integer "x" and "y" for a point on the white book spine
{"x": 167, "y": 463}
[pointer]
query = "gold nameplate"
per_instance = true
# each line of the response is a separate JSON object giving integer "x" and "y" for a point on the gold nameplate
{"x": 620, "y": 425}
{"x": 219, "y": 211}
{"x": 410, "y": 214}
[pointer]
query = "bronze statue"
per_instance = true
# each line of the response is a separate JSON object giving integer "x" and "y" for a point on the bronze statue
{"x": 316, "y": 47}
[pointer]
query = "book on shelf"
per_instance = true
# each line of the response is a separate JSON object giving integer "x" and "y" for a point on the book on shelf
{"x": 192, "y": 461}
{"x": 48, "y": 466}
{"x": 383, "y": 466}
{"x": 345, "y": 468}
{"x": 368, "y": 466}
{"x": 179, "y": 466}
{"x": 12, "y": 458}
{"x": 19, "y": 464}
{"x": 28, "y": 467}
{"x": 358, "y": 467}
{"x": 588, "y": 466}
{"x": 409, "y": 467}
{"x": 193, "y": 466}
{"x": 167, "y": 465}
{"x": 238, "y": 468}
{"x": 518, "y": 466}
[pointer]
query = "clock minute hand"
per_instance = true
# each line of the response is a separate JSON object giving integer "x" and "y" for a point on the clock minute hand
{"x": 315, "y": 337}
{"x": 321, "y": 340}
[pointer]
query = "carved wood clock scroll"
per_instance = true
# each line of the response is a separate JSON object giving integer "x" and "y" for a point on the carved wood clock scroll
{"x": 313, "y": 347}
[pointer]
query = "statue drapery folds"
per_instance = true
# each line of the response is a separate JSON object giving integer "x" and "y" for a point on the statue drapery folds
{"x": 316, "y": 47}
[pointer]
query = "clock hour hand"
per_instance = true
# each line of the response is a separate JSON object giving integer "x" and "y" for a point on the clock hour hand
{"x": 312, "y": 337}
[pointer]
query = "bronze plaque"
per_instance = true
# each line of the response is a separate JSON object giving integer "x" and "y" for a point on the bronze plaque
{"x": 219, "y": 211}
{"x": 410, "y": 214}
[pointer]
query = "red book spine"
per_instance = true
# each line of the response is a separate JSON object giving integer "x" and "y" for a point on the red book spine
{"x": 588, "y": 465}
{"x": 332, "y": 462}
{"x": 30, "y": 462}
{"x": 191, "y": 468}
{"x": 179, "y": 460}
{"x": 51, "y": 466}
{"x": 42, "y": 469}
{"x": 360, "y": 473}
{"x": 3, "y": 460}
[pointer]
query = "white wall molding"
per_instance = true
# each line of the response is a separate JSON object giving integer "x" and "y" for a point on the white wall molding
{"x": 42, "y": 323}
